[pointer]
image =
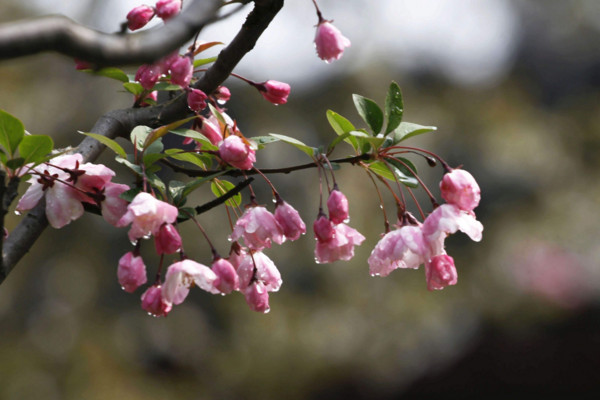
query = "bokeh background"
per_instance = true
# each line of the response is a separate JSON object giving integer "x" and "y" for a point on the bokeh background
{"x": 514, "y": 88}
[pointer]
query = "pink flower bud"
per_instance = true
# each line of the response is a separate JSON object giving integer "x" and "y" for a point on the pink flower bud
{"x": 113, "y": 206}
{"x": 80, "y": 65}
{"x": 154, "y": 303}
{"x": 258, "y": 227}
{"x": 196, "y": 100}
{"x": 210, "y": 129}
{"x": 337, "y": 204}
{"x": 131, "y": 272}
{"x": 166, "y": 9}
{"x": 235, "y": 152}
{"x": 167, "y": 240}
{"x": 222, "y": 94}
{"x": 440, "y": 272}
{"x": 166, "y": 62}
{"x": 340, "y": 247}
{"x": 288, "y": 218}
{"x": 181, "y": 71}
{"x": 139, "y": 17}
{"x": 147, "y": 75}
{"x": 146, "y": 214}
{"x": 227, "y": 278}
{"x": 273, "y": 91}
{"x": 460, "y": 188}
{"x": 257, "y": 297}
{"x": 330, "y": 42}
{"x": 323, "y": 229}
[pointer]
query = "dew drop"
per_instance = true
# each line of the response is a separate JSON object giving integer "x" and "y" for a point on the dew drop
{"x": 229, "y": 239}
{"x": 267, "y": 311}
{"x": 133, "y": 242}
{"x": 148, "y": 236}
{"x": 17, "y": 212}
{"x": 122, "y": 287}
{"x": 346, "y": 220}
{"x": 221, "y": 102}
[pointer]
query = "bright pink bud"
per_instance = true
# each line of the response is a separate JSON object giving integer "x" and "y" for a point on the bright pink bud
{"x": 337, "y": 204}
{"x": 273, "y": 91}
{"x": 167, "y": 240}
{"x": 330, "y": 42}
{"x": 257, "y": 297}
{"x": 235, "y": 152}
{"x": 323, "y": 229}
{"x": 440, "y": 272}
{"x": 131, "y": 272}
{"x": 166, "y": 9}
{"x": 166, "y": 62}
{"x": 460, "y": 188}
{"x": 80, "y": 65}
{"x": 288, "y": 218}
{"x": 113, "y": 206}
{"x": 227, "y": 278}
{"x": 210, "y": 129}
{"x": 154, "y": 303}
{"x": 147, "y": 75}
{"x": 222, "y": 94}
{"x": 196, "y": 100}
{"x": 139, "y": 17}
{"x": 181, "y": 71}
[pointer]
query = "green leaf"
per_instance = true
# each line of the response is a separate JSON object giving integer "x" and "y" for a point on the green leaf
{"x": 151, "y": 158}
{"x": 163, "y": 130}
{"x": 193, "y": 185}
{"x": 155, "y": 181}
{"x": 203, "y": 61}
{"x": 341, "y": 126}
{"x": 11, "y": 132}
{"x": 176, "y": 189}
{"x": 110, "y": 143}
{"x": 394, "y": 107}
{"x": 190, "y": 157}
{"x": 369, "y": 111}
{"x": 206, "y": 143}
{"x": 35, "y": 148}
{"x": 112, "y": 73}
{"x": 392, "y": 172}
{"x": 261, "y": 141}
{"x": 403, "y": 172}
{"x": 15, "y": 163}
{"x": 138, "y": 136}
{"x": 406, "y": 130}
{"x": 220, "y": 187}
{"x": 134, "y": 88}
{"x": 130, "y": 194}
{"x": 134, "y": 167}
{"x": 295, "y": 142}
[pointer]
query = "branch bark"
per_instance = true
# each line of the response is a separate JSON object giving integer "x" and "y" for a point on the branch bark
{"x": 121, "y": 122}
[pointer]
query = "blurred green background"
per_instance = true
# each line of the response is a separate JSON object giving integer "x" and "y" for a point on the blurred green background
{"x": 513, "y": 87}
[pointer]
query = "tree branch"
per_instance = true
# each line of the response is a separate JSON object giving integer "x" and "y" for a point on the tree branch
{"x": 121, "y": 122}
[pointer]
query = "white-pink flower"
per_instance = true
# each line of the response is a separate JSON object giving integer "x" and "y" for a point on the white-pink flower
{"x": 340, "y": 247}
{"x": 154, "y": 303}
{"x": 131, "y": 272}
{"x": 400, "y": 248}
{"x": 257, "y": 297}
{"x": 146, "y": 214}
{"x": 460, "y": 188}
{"x": 289, "y": 219}
{"x": 181, "y": 275}
{"x": 330, "y": 42}
{"x": 258, "y": 227}
{"x": 258, "y": 266}
{"x": 445, "y": 220}
{"x": 113, "y": 206}
{"x": 235, "y": 152}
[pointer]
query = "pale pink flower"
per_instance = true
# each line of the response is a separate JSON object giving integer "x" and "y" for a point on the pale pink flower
{"x": 196, "y": 100}
{"x": 235, "y": 152}
{"x": 181, "y": 71}
{"x": 258, "y": 266}
{"x": 147, "y": 75}
{"x": 257, "y": 297}
{"x": 323, "y": 228}
{"x": 154, "y": 303}
{"x": 166, "y": 9}
{"x": 113, "y": 207}
{"x": 400, "y": 248}
{"x": 167, "y": 240}
{"x": 274, "y": 91}
{"x": 227, "y": 277}
{"x": 139, "y": 16}
{"x": 258, "y": 227}
{"x": 131, "y": 272}
{"x": 181, "y": 275}
{"x": 330, "y": 42}
{"x": 440, "y": 272}
{"x": 236, "y": 254}
{"x": 211, "y": 129}
{"x": 289, "y": 220}
{"x": 460, "y": 188}
{"x": 146, "y": 214}
{"x": 445, "y": 220}
{"x": 340, "y": 247}
{"x": 222, "y": 94}
{"x": 337, "y": 205}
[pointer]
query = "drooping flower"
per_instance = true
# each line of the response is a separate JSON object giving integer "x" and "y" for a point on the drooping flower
{"x": 139, "y": 16}
{"x": 257, "y": 297}
{"x": 154, "y": 303}
{"x": 236, "y": 254}
{"x": 131, "y": 272}
{"x": 400, "y": 248}
{"x": 222, "y": 94}
{"x": 460, "y": 188}
{"x": 445, "y": 220}
{"x": 337, "y": 205}
{"x": 289, "y": 219}
{"x": 147, "y": 75}
{"x": 440, "y": 272}
{"x": 235, "y": 152}
{"x": 258, "y": 266}
{"x": 210, "y": 129}
{"x": 167, "y": 240}
{"x": 340, "y": 247}
{"x": 167, "y": 9}
{"x": 323, "y": 228}
{"x": 274, "y": 91}
{"x": 227, "y": 277}
{"x": 181, "y": 71}
{"x": 330, "y": 42}
{"x": 181, "y": 275}
{"x": 147, "y": 214}
{"x": 258, "y": 227}
{"x": 196, "y": 100}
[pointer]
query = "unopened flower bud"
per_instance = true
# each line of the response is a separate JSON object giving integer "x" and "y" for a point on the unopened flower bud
{"x": 257, "y": 297}
{"x": 323, "y": 229}
{"x": 330, "y": 42}
{"x": 460, "y": 188}
{"x": 154, "y": 303}
{"x": 235, "y": 152}
{"x": 167, "y": 240}
{"x": 337, "y": 204}
{"x": 222, "y": 94}
{"x": 227, "y": 278}
{"x": 289, "y": 219}
{"x": 139, "y": 17}
{"x": 181, "y": 71}
{"x": 131, "y": 272}
{"x": 147, "y": 75}
{"x": 166, "y": 9}
{"x": 274, "y": 91}
{"x": 81, "y": 65}
{"x": 440, "y": 272}
{"x": 196, "y": 100}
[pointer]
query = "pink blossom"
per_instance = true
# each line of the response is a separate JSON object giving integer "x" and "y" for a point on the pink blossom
{"x": 337, "y": 204}
{"x": 90, "y": 178}
{"x": 113, "y": 207}
{"x": 167, "y": 240}
{"x": 236, "y": 254}
{"x": 440, "y": 272}
{"x": 81, "y": 65}
{"x": 146, "y": 214}
{"x": 166, "y": 62}
{"x": 181, "y": 275}
{"x": 323, "y": 228}
{"x": 154, "y": 303}
{"x": 181, "y": 71}
{"x": 289, "y": 220}
{"x": 222, "y": 94}
{"x": 258, "y": 266}
{"x": 227, "y": 277}
{"x": 166, "y": 9}
{"x": 257, "y": 297}
{"x": 196, "y": 100}
{"x": 236, "y": 153}
{"x": 210, "y": 129}
{"x": 274, "y": 91}
{"x": 330, "y": 42}
{"x": 445, "y": 220}
{"x": 147, "y": 75}
{"x": 258, "y": 227}
{"x": 400, "y": 248}
{"x": 139, "y": 16}
{"x": 460, "y": 188}
{"x": 131, "y": 272}
{"x": 340, "y": 247}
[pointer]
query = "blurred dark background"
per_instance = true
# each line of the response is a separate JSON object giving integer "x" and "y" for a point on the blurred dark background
{"x": 513, "y": 87}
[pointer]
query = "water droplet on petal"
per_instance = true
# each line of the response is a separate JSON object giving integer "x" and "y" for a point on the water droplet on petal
{"x": 133, "y": 242}
{"x": 17, "y": 212}
{"x": 267, "y": 311}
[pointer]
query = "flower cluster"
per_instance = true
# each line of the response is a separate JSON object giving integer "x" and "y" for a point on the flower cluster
{"x": 139, "y": 16}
